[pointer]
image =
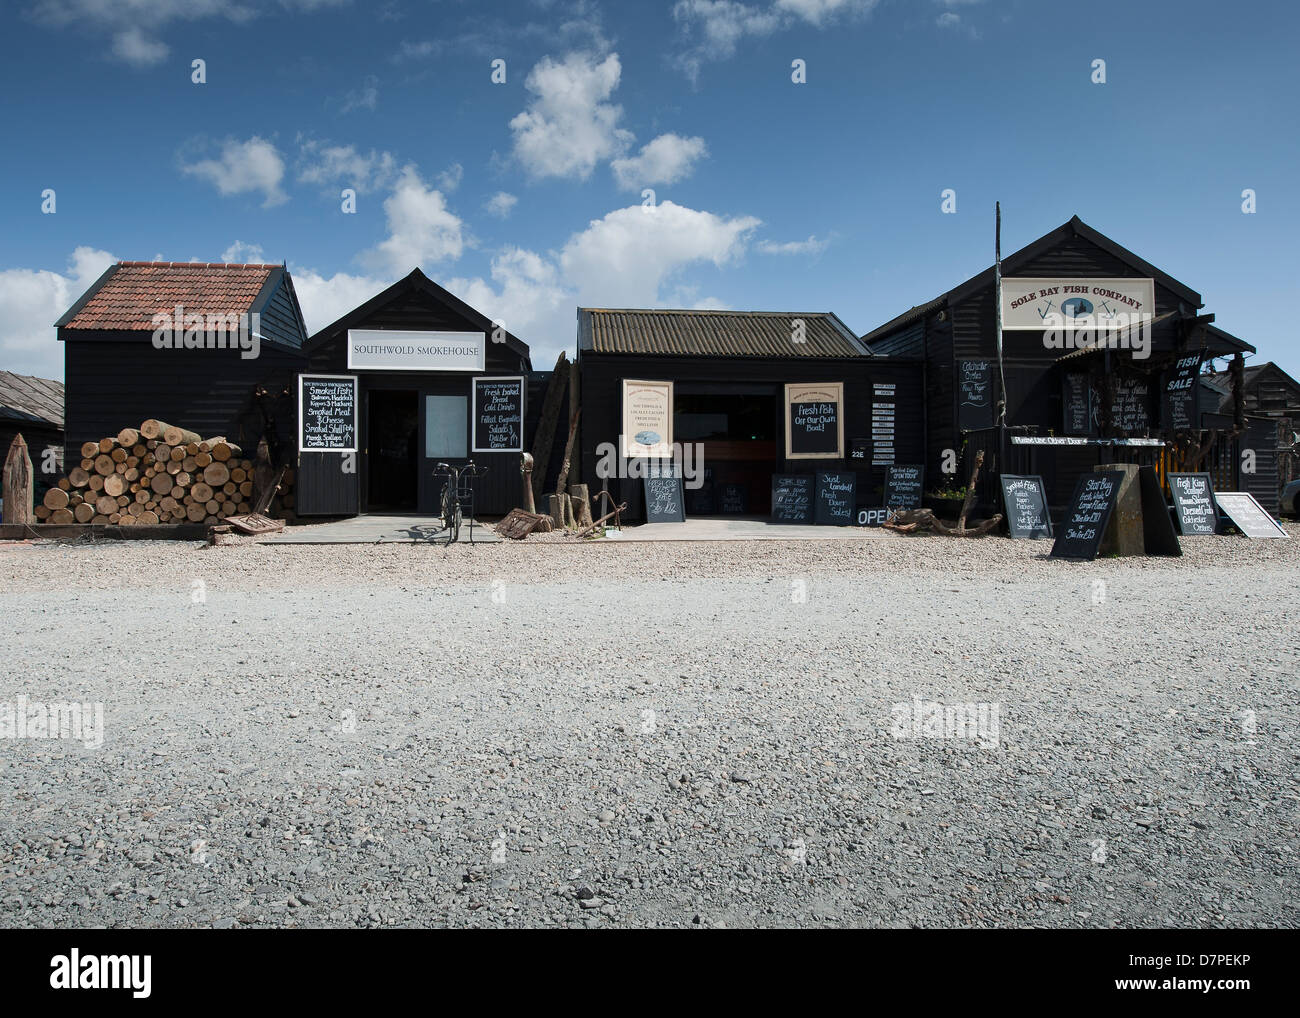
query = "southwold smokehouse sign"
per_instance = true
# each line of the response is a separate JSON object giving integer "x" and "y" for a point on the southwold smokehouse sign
{"x": 814, "y": 421}
{"x": 396, "y": 350}
{"x": 647, "y": 419}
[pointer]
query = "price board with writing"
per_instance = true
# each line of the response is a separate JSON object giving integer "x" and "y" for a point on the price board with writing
{"x": 498, "y": 414}
{"x": 836, "y": 498}
{"x": 1084, "y": 526}
{"x": 664, "y": 500}
{"x": 1180, "y": 396}
{"x": 1076, "y": 404}
{"x": 1248, "y": 515}
{"x": 792, "y": 498}
{"x": 904, "y": 483}
{"x": 327, "y": 413}
{"x": 814, "y": 421}
{"x": 1194, "y": 504}
{"x": 1025, "y": 498}
{"x": 974, "y": 394}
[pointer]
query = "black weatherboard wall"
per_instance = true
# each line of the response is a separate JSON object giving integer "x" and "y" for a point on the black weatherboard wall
{"x": 744, "y": 357}
{"x": 413, "y": 304}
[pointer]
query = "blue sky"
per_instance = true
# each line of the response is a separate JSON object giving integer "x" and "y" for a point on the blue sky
{"x": 525, "y": 197}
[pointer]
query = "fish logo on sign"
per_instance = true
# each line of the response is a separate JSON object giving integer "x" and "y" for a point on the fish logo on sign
{"x": 647, "y": 438}
{"x": 1076, "y": 307}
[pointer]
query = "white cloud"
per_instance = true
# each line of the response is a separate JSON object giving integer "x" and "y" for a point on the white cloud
{"x": 792, "y": 247}
{"x": 528, "y": 296}
{"x": 244, "y": 166}
{"x": 326, "y": 299}
{"x": 337, "y": 166}
{"x": 364, "y": 98}
{"x": 626, "y": 257}
{"x": 948, "y": 20}
{"x": 501, "y": 204}
{"x": 665, "y": 160}
{"x": 241, "y": 252}
{"x": 133, "y": 26}
{"x": 422, "y": 231}
{"x": 34, "y": 299}
{"x": 450, "y": 178}
{"x": 718, "y": 26}
{"x": 569, "y": 125}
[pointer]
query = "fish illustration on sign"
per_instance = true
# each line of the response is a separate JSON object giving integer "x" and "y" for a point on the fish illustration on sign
{"x": 647, "y": 438}
{"x": 1076, "y": 307}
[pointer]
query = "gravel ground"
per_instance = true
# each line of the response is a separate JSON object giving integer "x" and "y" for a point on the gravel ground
{"x": 652, "y": 735}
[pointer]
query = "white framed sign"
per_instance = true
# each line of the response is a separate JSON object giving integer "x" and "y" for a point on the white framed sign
{"x": 814, "y": 421}
{"x": 327, "y": 413}
{"x": 1034, "y": 303}
{"x": 395, "y": 350}
{"x": 647, "y": 419}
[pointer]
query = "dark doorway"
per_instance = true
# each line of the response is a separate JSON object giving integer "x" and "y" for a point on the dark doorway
{"x": 392, "y": 445}
{"x": 738, "y": 429}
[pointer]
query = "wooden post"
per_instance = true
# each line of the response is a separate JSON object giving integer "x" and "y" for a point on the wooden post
{"x": 581, "y": 505}
{"x": 1124, "y": 534}
{"x": 18, "y": 484}
{"x": 544, "y": 438}
{"x": 526, "y": 469}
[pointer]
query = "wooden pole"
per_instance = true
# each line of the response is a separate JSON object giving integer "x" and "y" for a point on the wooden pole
{"x": 18, "y": 484}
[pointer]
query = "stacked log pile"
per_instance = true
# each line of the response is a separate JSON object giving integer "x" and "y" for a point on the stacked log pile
{"x": 158, "y": 473}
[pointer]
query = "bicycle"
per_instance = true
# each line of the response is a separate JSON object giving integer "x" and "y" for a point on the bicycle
{"x": 457, "y": 493}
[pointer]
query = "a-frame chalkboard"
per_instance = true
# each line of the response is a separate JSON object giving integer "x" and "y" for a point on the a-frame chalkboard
{"x": 1091, "y": 506}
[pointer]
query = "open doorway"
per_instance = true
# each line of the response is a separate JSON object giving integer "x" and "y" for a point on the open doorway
{"x": 737, "y": 427}
{"x": 393, "y": 436}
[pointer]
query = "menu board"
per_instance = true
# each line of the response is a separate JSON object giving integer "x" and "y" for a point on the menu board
{"x": 733, "y": 499}
{"x": 327, "y": 413}
{"x": 664, "y": 501}
{"x": 498, "y": 414}
{"x": 1194, "y": 503}
{"x": 1128, "y": 410}
{"x": 1180, "y": 393}
{"x": 884, "y": 406}
{"x": 974, "y": 394}
{"x": 1076, "y": 404}
{"x": 904, "y": 483}
{"x": 1249, "y": 515}
{"x": 814, "y": 421}
{"x": 1025, "y": 498}
{"x": 792, "y": 498}
{"x": 836, "y": 498}
{"x": 1090, "y": 510}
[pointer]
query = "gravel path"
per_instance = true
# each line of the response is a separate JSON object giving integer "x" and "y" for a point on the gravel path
{"x": 662, "y": 735}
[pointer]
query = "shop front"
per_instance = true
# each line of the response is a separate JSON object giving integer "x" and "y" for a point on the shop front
{"x": 412, "y": 378}
{"x": 739, "y": 400}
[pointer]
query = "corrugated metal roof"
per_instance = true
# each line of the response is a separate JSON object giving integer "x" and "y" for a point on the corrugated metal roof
{"x": 31, "y": 399}
{"x": 131, "y": 293}
{"x": 715, "y": 333}
{"x": 906, "y": 318}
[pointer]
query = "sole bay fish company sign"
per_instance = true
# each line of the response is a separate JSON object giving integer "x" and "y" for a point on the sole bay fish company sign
{"x": 393, "y": 350}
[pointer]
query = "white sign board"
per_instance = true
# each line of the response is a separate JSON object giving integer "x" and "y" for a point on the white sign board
{"x": 392, "y": 350}
{"x": 1043, "y": 303}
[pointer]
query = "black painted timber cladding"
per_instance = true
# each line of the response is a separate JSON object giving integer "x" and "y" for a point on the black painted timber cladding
{"x": 113, "y": 383}
{"x": 601, "y": 419}
{"x": 328, "y": 491}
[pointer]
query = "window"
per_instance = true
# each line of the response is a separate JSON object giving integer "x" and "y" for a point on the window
{"x": 445, "y": 420}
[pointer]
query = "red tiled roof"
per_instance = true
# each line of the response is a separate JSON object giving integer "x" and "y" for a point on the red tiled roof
{"x": 136, "y": 291}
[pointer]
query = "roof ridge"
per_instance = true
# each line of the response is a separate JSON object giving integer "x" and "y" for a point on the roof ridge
{"x": 199, "y": 265}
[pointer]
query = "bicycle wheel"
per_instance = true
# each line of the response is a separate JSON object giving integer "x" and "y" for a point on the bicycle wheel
{"x": 455, "y": 527}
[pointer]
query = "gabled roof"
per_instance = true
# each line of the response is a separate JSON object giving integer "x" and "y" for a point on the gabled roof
{"x": 715, "y": 333}
{"x": 1076, "y": 227}
{"x": 1251, "y": 372}
{"x": 31, "y": 400}
{"x": 129, "y": 294}
{"x": 415, "y": 282}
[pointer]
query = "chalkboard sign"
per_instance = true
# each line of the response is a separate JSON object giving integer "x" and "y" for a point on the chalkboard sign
{"x": 903, "y": 485}
{"x": 1026, "y": 500}
{"x": 498, "y": 414}
{"x": 327, "y": 413}
{"x": 792, "y": 498}
{"x": 836, "y": 498}
{"x": 1194, "y": 503}
{"x": 815, "y": 429}
{"x": 1180, "y": 393}
{"x": 974, "y": 395}
{"x": 1249, "y": 515}
{"x": 664, "y": 501}
{"x": 1090, "y": 510}
{"x": 699, "y": 501}
{"x": 1128, "y": 411}
{"x": 734, "y": 499}
{"x": 1076, "y": 403}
